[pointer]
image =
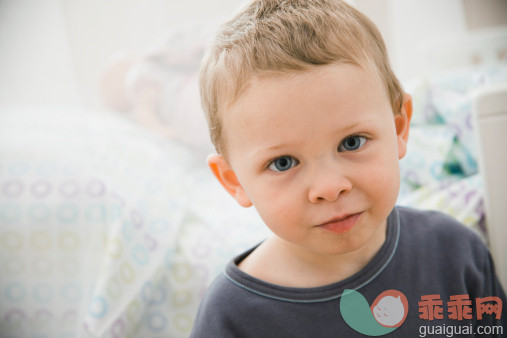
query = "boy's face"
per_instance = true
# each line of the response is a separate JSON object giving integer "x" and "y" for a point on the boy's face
{"x": 308, "y": 148}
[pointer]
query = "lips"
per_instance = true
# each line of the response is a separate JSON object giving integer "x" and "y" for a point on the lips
{"x": 341, "y": 224}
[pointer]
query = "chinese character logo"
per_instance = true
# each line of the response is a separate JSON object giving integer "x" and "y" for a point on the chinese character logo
{"x": 489, "y": 305}
{"x": 459, "y": 307}
{"x": 388, "y": 312}
{"x": 431, "y": 307}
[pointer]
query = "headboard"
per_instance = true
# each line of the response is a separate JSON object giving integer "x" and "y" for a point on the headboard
{"x": 490, "y": 113}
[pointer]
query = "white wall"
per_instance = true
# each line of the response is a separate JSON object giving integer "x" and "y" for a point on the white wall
{"x": 415, "y": 23}
{"x": 408, "y": 26}
{"x": 53, "y": 51}
{"x": 435, "y": 35}
{"x": 35, "y": 60}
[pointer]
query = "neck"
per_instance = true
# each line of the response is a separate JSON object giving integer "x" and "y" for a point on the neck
{"x": 287, "y": 264}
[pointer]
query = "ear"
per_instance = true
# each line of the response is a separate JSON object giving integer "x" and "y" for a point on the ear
{"x": 402, "y": 123}
{"x": 227, "y": 178}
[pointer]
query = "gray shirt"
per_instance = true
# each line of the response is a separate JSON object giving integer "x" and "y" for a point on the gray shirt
{"x": 425, "y": 253}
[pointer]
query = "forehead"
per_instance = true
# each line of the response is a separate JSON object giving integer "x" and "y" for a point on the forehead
{"x": 293, "y": 96}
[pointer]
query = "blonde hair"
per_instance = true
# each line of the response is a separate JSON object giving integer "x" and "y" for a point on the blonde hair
{"x": 271, "y": 37}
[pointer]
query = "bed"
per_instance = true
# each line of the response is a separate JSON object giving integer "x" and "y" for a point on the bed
{"x": 110, "y": 230}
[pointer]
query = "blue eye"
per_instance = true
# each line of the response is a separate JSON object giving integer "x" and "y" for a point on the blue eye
{"x": 352, "y": 143}
{"x": 283, "y": 163}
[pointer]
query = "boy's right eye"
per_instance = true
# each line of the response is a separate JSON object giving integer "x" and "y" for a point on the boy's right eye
{"x": 282, "y": 163}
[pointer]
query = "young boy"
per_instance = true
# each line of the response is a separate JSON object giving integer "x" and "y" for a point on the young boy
{"x": 309, "y": 123}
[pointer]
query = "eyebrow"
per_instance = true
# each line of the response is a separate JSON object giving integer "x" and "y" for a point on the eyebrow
{"x": 352, "y": 126}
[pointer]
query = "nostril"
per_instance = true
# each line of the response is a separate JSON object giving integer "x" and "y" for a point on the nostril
{"x": 328, "y": 188}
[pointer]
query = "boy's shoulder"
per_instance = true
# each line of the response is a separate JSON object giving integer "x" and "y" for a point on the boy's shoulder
{"x": 434, "y": 230}
{"x": 221, "y": 294}
{"x": 432, "y": 222}
{"x": 221, "y": 308}
{"x": 446, "y": 254}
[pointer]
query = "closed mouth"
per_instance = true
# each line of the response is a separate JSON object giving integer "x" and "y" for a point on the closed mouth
{"x": 341, "y": 224}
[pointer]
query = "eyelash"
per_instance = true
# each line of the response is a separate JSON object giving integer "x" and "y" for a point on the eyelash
{"x": 269, "y": 163}
{"x": 266, "y": 167}
{"x": 351, "y": 136}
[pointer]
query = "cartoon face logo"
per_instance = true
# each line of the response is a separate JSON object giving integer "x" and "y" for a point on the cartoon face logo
{"x": 390, "y": 308}
{"x": 387, "y": 312}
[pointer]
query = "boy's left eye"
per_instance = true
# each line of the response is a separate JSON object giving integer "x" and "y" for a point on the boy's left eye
{"x": 352, "y": 143}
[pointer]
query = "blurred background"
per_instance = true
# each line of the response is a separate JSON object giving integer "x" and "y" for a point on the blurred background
{"x": 54, "y": 51}
{"x": 110, "y": 223}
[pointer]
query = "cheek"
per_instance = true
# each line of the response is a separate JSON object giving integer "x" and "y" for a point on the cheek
{"x": 276, "y": 205}
{"x": 382, "y": 179}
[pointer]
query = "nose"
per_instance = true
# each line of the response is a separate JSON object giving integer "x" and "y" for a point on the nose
{"x": 327, "y": 184}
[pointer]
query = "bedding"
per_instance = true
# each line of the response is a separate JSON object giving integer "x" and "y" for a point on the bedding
{"x": 102, "y": 227}
{"x": 440, "y": 170}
